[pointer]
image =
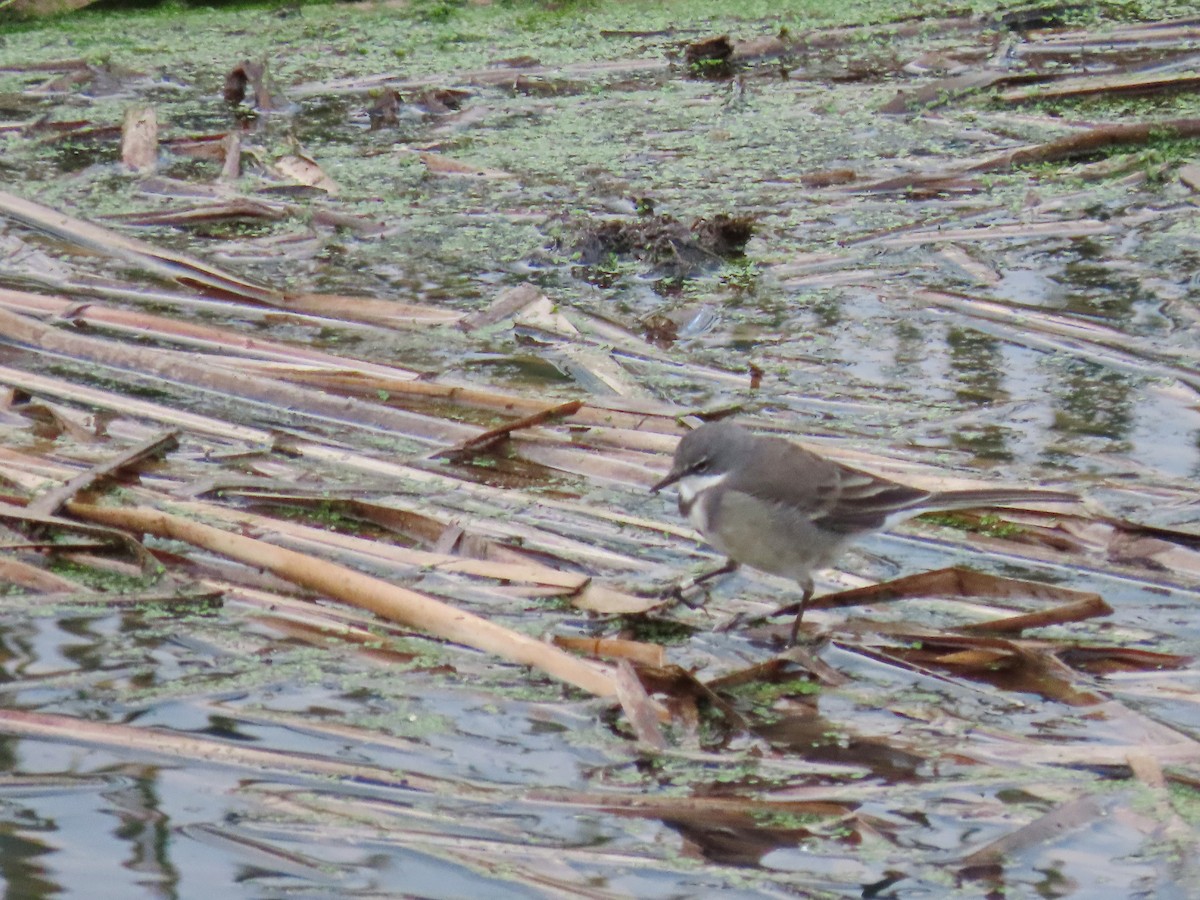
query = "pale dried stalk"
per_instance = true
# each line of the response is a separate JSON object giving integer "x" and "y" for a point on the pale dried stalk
{"x": 531, "y": 572}
{"x": 363, "y": 591}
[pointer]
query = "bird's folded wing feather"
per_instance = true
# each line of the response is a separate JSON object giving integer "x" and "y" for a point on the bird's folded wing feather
{"x": 836, "y": 497}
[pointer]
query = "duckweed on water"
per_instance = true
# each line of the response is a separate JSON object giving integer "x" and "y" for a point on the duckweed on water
{"x": 860, "y": 356}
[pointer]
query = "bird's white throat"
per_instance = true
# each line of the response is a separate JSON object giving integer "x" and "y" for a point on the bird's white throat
{"x": 691, "y": 485}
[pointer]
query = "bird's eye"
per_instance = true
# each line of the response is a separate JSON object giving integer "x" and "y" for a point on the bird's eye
{"x": 701, "y": 466}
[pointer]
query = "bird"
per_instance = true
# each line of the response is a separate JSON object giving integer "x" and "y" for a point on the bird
{"x": 767, "y": 503}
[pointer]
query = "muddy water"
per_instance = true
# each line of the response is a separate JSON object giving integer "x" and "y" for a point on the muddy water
{"x": 1060, "y": 354}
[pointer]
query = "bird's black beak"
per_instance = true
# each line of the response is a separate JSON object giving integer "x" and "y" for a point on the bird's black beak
{"x": 671, "y": 478}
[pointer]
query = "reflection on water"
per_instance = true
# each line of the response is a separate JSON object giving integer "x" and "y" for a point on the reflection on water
{"x": 459, "y": 753}
{"x": 975, "y": 365}
{"x": 976, "y": 369}
{"x": 1094, "y": 402}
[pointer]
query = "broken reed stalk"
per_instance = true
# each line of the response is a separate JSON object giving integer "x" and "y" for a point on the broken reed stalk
{"x": 363, "y": 591}
{"x": 1092, "y": 141}
{"x": 51, "y": 502}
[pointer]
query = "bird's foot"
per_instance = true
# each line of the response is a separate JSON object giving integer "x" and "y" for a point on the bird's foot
{"x": 729, "y": 566}
{"x": 739, "y": 621}
{"x": 794, "y": 637}
{"x": 794, "y": 609}
{"x": 685, "y": 591}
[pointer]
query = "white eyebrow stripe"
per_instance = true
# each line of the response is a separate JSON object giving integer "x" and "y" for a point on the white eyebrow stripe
{"x": 691, "y": 485}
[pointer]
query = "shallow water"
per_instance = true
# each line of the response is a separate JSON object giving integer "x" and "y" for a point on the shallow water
{"x": 394, "y": 764}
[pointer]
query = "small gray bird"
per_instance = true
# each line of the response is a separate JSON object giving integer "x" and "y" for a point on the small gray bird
{"x": 766, "y": 503}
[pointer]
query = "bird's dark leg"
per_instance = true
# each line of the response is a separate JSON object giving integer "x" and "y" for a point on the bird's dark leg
{"x": 808, "y": 592}
{"x": 678, "y": 590}
{"x": 806, "y": 588}
{"x": 729, "y": 566}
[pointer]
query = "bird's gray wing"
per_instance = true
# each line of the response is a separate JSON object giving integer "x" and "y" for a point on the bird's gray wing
{"x": 864, "y": 502}
{"x": 835, "y": 497}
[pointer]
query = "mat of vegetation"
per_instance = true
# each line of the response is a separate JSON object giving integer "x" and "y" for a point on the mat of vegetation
{"x": 340, "y": 346}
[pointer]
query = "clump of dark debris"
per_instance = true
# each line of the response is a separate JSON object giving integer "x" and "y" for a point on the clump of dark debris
{"x": 709, "y": 58}
{"x": 671, "y": 246}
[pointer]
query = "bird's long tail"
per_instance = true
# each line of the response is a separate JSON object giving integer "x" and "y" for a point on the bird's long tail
{"x": 994, "y": 497}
